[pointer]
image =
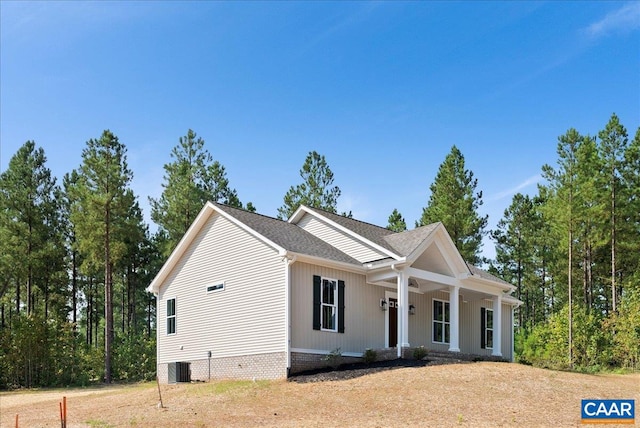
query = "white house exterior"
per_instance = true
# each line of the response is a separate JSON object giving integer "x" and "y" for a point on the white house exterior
{"x": 248, "y": 296}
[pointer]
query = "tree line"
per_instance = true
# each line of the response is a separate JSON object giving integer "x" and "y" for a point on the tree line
{"x": 573, "y": 252}
{"x": 76, "y": 257}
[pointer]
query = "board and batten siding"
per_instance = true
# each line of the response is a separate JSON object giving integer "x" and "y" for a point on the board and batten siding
{"x": 247, "y": 317}
{"x": 421, "y": 323}
{"x": 364, "y": 321}
{"x": 339, "y": 239}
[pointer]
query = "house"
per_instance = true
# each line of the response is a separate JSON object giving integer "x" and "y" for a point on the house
{"x": 248, "y": 296}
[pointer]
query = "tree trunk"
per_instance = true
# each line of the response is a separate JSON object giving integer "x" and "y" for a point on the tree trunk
{"x": 74, "y": 290}
{"x": 108, "y": 302}
{"x": 570, "y": 273}
{"x": 613, "y": 243}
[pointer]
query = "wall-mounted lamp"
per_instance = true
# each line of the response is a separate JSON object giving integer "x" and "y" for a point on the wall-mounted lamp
{"x": 383, "y": 304}
{"x": 412, "y": 310}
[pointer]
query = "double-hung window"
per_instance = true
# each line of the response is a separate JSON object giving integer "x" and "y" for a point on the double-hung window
{"x": 486, "y": 322}
{"x": 441, "y": 321}
{"x": 171, "y": 316}
{"x": 328, "y": 304}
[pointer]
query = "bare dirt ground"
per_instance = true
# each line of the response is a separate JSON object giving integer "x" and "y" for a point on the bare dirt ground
{"x": 478, "y": 395}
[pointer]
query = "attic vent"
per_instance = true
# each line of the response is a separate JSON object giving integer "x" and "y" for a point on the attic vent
{"x": 215, "y": 287}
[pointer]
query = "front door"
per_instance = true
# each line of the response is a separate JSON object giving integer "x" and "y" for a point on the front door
{"x": 393, "y": 322}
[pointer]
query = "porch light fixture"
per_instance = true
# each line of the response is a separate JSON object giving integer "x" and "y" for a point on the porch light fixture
{"x": 383, "y": 304}
{"x": 412, "y": 310}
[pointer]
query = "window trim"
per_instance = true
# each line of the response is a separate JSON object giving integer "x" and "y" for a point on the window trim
{"x": 486, "y": 329}
{"x": 333, "y": 305}
{"x": 168, "y": 317}
{"x": 443, "y": 322}
{"x": 216, "y": 286}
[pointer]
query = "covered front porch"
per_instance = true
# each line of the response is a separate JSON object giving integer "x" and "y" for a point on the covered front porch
{"x": 452, "y": 310}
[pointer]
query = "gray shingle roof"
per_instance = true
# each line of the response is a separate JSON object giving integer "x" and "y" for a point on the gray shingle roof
{"x": 486, "y": 275}
{"x": 373, "y": 233}
{"x": 406, "y": 242}
{"x": 298, "y": 240}
{"x": 288, "y": 236}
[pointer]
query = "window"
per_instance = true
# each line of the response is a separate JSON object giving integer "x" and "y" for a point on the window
{"x": 441, "y": 321}
{"x": 486, "y": 323}
{"x": 328, "y": 304}
{"x": 215, "y": 287}
{"x": 171, "y": 316}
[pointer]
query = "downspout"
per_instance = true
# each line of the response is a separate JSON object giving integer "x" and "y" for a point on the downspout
{"x": 288, "y": 261}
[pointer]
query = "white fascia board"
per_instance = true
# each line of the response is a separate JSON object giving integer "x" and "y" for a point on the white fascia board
{"x": 303, "y": 209}
{"x": 511, "y": 300}
{"x": 444, "y": 235}
{"x": 191, "y": 233}
{"x": 485, "y": 285}
{"x": 177, "y": 252}
{"x": 501, "y": 285}
{"x": 297, "y": 215}
{"x": 319, "y": 261}
{"x": 440, "y": 237}
{"x": 232, "y": 219}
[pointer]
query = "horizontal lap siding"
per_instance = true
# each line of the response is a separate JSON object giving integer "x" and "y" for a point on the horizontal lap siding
{"x": 364, "y": 321}
{"x": 339, "y": 239}
{"x": 247, "y": 317}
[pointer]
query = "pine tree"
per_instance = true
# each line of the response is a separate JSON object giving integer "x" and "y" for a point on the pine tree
{"x": 396, "y": 222}
{"x": 562, "y": 206}
{"x": 613, "y": 142}
{"x": 514, "y": 248}
{"x": 455, "y": 203}
{"x": 99, "y": 218}
{"x": 315, "y": 190}
{"x": 28, "y": 209}
{"x": 191, "y": 180}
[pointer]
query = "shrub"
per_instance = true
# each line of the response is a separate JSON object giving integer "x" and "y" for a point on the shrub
{"x": 334, "y": 358}
{"x": 369, "y": 356}
{"x": 419, "y": 353}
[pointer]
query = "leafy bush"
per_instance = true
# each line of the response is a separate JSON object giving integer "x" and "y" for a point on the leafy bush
{"x": 369, "y": 356}
{"x": 334, "y": 358}
{"x": 419, "y": 353}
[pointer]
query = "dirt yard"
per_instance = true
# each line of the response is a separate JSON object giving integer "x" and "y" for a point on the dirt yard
{"x": 479, "y": 394}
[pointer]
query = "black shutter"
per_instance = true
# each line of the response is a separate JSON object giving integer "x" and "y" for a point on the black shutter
{"x": 340, "y": 306}
{"x": 483, "y": 327}
{"x": 316, "y": 301}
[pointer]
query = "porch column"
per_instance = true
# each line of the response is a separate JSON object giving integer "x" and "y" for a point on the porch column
{"x": 497, "y": 326}
{"x": 403, "y": 312}
{"x": 454, "y": 318}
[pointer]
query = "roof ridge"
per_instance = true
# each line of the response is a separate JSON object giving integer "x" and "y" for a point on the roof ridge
{"x": 350, "y": 218}
{"x": 247, "y": 211}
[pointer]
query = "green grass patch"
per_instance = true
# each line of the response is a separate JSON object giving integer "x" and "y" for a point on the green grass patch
{"x": 228, "y": 387}
{"x": 94, "y": 423}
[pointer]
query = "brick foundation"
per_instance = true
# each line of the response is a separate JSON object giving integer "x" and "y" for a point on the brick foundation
{"x": 247, "y": 367}
{"x": 301, "y": 362}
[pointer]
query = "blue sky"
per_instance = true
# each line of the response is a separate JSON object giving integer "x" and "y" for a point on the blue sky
{"x": 382, "y": 89}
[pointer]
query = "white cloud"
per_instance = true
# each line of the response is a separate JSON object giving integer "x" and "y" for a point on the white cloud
{"x": 622, "y": 20}
{"x": 526, "y": 183}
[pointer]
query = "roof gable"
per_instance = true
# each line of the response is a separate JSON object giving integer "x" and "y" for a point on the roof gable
{"x": 365, "y": 233}
{"x": 280, "y": 235}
